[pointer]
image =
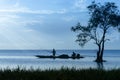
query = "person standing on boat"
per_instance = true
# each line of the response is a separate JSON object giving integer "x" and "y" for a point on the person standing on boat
{"x": 54, "y": 52}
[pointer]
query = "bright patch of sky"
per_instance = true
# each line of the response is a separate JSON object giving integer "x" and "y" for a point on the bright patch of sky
{"x": 44, "y": 24}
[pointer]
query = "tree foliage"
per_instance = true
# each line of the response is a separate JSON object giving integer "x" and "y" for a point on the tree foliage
{"x": 103, "y": 18}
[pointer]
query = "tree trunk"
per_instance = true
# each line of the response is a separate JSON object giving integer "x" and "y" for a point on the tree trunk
{"x": 102, "y": 51}
{"x": 98, "y": 54}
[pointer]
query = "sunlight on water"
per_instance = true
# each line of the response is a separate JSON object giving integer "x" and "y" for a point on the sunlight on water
{"x": 27, "y": 59}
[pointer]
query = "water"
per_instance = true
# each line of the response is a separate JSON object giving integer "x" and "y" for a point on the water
{"x": 27, "y": 59}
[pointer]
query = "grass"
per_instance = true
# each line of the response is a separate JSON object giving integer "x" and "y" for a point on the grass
{"x": 62, "y": 74}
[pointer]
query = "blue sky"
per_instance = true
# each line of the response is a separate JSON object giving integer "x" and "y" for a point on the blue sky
{"x": 45, "y": 24}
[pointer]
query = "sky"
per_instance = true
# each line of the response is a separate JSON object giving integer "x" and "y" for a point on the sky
{"x": 45, "y": 24}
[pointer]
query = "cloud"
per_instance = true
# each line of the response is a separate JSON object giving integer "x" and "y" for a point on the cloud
{"x": 16, "y": 8}
{"x": 8, "y": 19}
{"x": 29, "y": 22}
{"x": 80, "y": 4}
{"x": 10, "y": 16}
{"x": 68, "y": 18}
{"x": 27, "y": 10}
{"x": 17, "y": 4}
{"x": 16, "y": 20}
{"x": 29, "y": 30}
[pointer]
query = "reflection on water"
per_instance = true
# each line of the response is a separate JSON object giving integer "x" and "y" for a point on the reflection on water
{"x": 13, "y": 59}
{"x": 87, "y": 62}
{"x": 100, "y": 65}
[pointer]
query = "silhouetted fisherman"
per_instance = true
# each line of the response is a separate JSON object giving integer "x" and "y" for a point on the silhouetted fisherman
{"x": 73, "y": 55}
{"x": 54, "y": 52}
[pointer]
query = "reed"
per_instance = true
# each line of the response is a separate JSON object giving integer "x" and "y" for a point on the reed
{"x": 62, "y": 74}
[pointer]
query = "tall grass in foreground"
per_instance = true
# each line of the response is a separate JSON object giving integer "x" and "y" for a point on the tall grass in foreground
{"x": 62, "y": 74}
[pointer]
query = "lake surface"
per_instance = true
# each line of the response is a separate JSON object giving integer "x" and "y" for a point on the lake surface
{"x": 27, "y": 59}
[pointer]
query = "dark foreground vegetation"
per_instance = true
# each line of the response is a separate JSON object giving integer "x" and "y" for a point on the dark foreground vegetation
{"x": 62, "y": 74}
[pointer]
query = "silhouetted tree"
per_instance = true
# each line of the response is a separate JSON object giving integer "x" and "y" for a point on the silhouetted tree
{"x": 103, "y": 19}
